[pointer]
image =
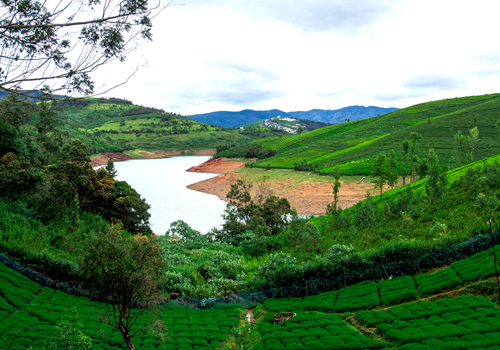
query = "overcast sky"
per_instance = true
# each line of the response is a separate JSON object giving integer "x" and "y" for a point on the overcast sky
{"x": 303, "y": 54}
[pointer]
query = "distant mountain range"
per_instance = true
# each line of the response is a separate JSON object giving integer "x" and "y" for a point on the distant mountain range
{"x": 35, "y": 93}
{"x": 332, "y": 116}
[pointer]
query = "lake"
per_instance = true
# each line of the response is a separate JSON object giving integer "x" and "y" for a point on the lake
{"x": 162, "y": 182}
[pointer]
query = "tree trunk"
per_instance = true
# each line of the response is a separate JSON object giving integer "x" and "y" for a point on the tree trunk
{"x": 345, "y": 284}
{"x": 404, "y": 170}
{"x": 411, "y": 170}
{"x": 126, "y": 336}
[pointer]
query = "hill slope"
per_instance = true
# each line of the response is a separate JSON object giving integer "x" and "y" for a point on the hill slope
{"x": 127, "y": 126}
{"x": 231, "y": 119}
{"x": 355, "y": 145}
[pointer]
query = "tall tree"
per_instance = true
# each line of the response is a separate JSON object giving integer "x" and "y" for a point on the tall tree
{"x": 392, "y": 173}
{"x": 110, "y": 168}
{"x": 129, "y": 272}
{"x": 341, "y": 255}
{"x": 406, "y": 147}
{"x": 379, "y": 170}
{"x": 414, "y": 138}
{"x": 41, "y": 47}
{"x": 473, "y": 138}
{"x": 336, "y": 185}
{"x": 460, "y": 148}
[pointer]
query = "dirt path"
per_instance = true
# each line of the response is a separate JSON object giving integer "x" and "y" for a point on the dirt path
{"x": 309, "y": 195}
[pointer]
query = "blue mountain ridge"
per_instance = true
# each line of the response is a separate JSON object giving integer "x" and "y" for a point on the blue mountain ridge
{"x": 336, "y": 116}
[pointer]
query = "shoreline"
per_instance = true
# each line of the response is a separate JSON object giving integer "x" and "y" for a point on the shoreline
{"x": 306, "y": 192}
{"x": 101, "y": 159}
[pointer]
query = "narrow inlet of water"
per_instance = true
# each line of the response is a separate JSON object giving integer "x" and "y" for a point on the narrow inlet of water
{"x": 162, "y": 182}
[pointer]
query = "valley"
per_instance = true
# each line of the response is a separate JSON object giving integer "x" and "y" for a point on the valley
{"x": 369, "y": 251}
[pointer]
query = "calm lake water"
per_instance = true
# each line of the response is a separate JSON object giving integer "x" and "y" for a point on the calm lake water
{"x": 163, "y": 183}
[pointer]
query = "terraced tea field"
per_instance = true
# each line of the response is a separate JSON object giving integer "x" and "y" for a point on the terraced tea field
{"x": 355, "y": 145}
{"x": 355, "y": 317}
{"x": 29, "y": 315}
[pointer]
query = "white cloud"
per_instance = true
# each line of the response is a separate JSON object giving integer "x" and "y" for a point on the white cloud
{"x": 299, "y": 55}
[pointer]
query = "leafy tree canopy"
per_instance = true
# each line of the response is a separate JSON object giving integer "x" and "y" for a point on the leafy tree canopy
{"x": 39, "y": 40}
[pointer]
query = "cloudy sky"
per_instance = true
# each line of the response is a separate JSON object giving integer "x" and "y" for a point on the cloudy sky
{"x": 303, "y": 54}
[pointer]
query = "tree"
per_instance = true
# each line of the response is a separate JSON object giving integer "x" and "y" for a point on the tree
{"x": 242, "y": 214}
{"x": 47, "y": 126}
{"x": 460, "y": 148}
{"x": 39, "y": 40}
{"x": 422, "y": 168}
{"x": 435, "y": 187}
{"x": 473, "y": 137}
{"x": 110, "y": 168}
{"x": 335, "y": 189}
{"x": 129, "y": 273}
{"x": 129, "y": 208}
{"x": 497, "y": 125}
{"x": 392, "y": 173}
{"x": 414, "y": 138}
{"x": 341, "y": 255}
{"x": 380, "y": 171}
{"x": 300, "y": 130}
{"x": 406, "y": 146}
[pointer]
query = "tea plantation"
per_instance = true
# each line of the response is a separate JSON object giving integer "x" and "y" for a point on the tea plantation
{"x": 350, "y": 318}
{"x": 355, "y": 145}
{"x": 29, "y": 315}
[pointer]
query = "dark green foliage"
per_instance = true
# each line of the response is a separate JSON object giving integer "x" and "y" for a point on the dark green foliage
{"x": 303, "y": 166}
{"x": 431, "y": 283}
{"x": 262, "y": 216}
{"x": 397, "y": 290}
{"x": 477, "y": 267}
{"x": 130, "y": 209}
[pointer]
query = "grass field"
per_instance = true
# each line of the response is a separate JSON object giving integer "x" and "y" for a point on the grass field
{"x": 355, "y": 145}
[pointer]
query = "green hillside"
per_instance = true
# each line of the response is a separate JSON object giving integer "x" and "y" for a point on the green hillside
{"x": 355, "y": 145}
{"x": 431, "y": 235}
{"x": 116, "y": 124}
